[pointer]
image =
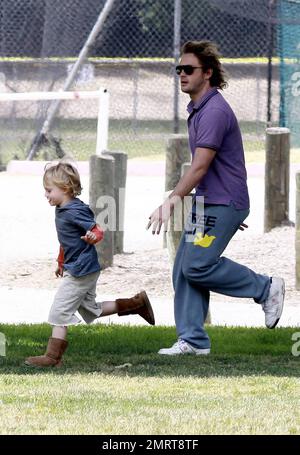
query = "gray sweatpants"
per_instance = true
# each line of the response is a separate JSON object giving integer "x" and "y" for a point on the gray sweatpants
{"x": 75, "y": 294}
{"x": 199, "y": 268}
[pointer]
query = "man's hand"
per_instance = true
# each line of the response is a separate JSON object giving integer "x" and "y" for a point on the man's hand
{"x": 243, "y": 226}
{"x": 160, "y": 217}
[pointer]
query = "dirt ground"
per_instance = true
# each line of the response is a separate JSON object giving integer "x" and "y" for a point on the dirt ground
{"x": 29, "y": 246}
{"x": 271, "y": 253}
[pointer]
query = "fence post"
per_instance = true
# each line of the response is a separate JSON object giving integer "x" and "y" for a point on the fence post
{"x": 177, "y": 153}
{"x": 277, "y": 172}
{"x": 297, "y": 231}
{"x": 177, "y": 220}
{"x": 176, "y": 54}
{"x": 2, "y": 166}
{"x": 3, "y": 343}
{"x": 102, "y": 202}
{"x": 120, "y": 173}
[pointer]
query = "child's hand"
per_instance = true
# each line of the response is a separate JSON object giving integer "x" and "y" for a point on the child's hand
{"x": 93, "y": 236}
{"x": 59, "y": 271}
{"x": 89, "y": 237}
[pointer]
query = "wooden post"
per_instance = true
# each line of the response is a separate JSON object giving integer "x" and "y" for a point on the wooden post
{"x": 102, "y": 202}
{"x": 119, "y": 190}
{"x": 185, "y": 167}
{"x": 177, "y": 220}
{"x": 277, "y": 177}
{"x": 2, "y": 166}
{"x": 177, "y": 153}
{"x": 297, "y": 237}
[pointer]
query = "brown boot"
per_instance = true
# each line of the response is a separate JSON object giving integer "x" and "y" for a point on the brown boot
{"x": 52, "y": 357}
{"x": 139, "y": 304}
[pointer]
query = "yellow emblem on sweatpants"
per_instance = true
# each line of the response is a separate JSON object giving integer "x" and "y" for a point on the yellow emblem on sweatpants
{"x": 205, "y": 241}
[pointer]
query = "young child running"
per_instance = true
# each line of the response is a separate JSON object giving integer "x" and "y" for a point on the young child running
{"x": 78, "y": 264}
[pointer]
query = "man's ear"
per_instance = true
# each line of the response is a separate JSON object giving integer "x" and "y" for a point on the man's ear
{"x": 208, "y": 74}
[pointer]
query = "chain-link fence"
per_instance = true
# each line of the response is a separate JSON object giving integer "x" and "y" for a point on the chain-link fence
{"x": 288, "y": 31}
{"x": 133, "y": 57}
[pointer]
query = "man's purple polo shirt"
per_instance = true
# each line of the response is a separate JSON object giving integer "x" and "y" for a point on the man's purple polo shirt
{"x": 212, "y": 124}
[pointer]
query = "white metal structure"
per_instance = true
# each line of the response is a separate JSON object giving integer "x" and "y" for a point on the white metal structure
{"x": 103, "y": 112}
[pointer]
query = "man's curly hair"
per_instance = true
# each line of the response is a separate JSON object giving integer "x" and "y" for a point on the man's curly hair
{"x": 209, "y": 57}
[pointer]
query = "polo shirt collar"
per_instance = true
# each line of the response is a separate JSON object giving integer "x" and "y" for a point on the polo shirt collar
{"x": 200, "y": 103}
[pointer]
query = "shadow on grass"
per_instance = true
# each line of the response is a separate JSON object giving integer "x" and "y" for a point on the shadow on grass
{"x": 107, "y": 349}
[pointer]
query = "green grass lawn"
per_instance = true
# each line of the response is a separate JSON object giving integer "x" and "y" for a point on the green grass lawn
{"x": 113, "y": 382}
{"x": 78, "y": 137}
{"x": 143, "y": 139}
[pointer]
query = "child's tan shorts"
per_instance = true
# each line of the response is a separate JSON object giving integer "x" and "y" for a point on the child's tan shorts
{"x": 75, "y": 294}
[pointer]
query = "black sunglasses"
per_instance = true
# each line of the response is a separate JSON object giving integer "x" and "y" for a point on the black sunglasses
{"x": 188, "y": 69}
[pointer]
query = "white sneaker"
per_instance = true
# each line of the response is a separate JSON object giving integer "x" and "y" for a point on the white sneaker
{"x": 273, "y": 306}
{"x": 182, "y": 347}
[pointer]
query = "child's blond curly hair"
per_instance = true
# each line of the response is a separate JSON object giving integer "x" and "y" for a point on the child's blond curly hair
{"x": 65, "y": 176}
